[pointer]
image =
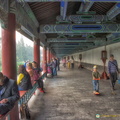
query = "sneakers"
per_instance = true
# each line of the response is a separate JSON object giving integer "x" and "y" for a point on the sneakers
{"x": 42, "y": 91}
{"x": 96, "y": 93}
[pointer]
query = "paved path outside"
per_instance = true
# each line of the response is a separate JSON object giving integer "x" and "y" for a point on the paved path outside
{"x": 70, "y": 97}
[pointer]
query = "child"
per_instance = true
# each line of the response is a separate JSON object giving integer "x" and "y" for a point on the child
{"x": 96, "y": 78}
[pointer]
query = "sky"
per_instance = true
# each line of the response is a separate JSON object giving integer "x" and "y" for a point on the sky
{"x": 26, "y": 40}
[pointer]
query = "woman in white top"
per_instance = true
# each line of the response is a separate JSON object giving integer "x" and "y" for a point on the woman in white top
{"x": 72, "y": 63}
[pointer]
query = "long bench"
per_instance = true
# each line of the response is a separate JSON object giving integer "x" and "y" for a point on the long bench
{"x": 24, "y": 98}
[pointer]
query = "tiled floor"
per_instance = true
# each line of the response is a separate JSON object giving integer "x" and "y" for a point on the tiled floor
{"x": 69, "y": 97}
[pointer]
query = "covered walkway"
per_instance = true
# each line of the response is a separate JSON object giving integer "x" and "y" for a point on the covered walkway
{"x": 77, "y": 31}
{"x": 69, "y": 97}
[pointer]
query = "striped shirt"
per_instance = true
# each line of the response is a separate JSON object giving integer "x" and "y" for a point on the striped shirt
{"x": 112, "y": 66}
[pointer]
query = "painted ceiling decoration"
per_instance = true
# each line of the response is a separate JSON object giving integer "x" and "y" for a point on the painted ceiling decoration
{"x": 66, "y": 26}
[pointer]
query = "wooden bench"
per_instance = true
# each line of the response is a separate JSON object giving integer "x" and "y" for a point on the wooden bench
{"x": 22, "y": 93}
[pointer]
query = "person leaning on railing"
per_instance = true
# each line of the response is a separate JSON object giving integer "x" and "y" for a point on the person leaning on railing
{"x": 24, "y": 80}
{"x": 9, "y": 94}
{"x": 36, "y": 76}
{"x": 29, "y": 69}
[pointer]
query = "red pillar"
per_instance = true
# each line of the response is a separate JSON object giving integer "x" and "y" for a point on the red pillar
{"x": 48, "y": 55}
{"x": 44, "y": 59}
{"x": 9, "y": 55}
{"x": 52, "y": 55}
{"x": 37, "y": 52}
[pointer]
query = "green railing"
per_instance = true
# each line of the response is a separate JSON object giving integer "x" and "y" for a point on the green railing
{"x": 24, "y": 99}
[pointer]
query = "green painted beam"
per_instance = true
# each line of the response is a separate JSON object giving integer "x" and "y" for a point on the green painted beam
{"x": 83, "y": 18}
{"x": 74, "y": 40}
{"x": 28, "y": 11}
{"x": 68, "y": 48}
{"x": 80, "y": 28}
{"x": 4, "y": 4}
{"x": 71, "y": 0}
{"x": 71, "y": 44}
{"x": 26, "y": 22}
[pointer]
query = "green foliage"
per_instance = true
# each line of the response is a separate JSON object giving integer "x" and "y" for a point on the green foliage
{"x": 23, "y": 52}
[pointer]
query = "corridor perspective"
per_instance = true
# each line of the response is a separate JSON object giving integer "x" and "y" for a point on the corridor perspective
{"x": 69, "y": 96}
{"x": 39, "y": 36}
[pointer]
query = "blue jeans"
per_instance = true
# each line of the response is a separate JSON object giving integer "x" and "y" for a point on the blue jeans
{"x": 54, "y": 71}
{"x": 96, "y": 85}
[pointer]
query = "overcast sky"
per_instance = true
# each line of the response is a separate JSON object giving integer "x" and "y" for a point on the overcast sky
{"x": 18, "y": 37}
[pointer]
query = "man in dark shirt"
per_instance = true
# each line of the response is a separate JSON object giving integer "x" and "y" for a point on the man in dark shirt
{"x": 8, "y": 94}
{"x": 58, "y": 63}
{"x": 112, "y": 70}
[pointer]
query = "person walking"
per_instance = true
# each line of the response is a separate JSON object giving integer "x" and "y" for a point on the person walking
{"x": 112, "y": 71}
{"x": 68, "y": 63}
{"x": 72, "y": 63}
{"x": 54, "y": 66}
{"x": 96, "y": 78}
{"x": 58, "y": 64}
{"x": 64, "y": 62}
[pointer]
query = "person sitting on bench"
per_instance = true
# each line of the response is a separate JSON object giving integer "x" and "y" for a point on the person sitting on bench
{"x": 8, "y": 94}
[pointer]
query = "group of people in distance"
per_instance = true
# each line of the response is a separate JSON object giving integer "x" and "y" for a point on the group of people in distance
{"x": 69, "y": 63}
{"x": 113, "y": 72}
{"x": 53, "y": 66}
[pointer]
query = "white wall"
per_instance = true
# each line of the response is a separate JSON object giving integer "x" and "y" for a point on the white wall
{"x": 93, "y": 56}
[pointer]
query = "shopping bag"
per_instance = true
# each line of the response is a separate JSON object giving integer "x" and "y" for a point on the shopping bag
{"x": 118, "y": 78}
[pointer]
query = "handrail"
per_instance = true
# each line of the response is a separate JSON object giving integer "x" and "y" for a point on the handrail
{"x": 24, "y": 99}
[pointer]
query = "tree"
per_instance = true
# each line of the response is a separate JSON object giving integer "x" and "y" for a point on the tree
{"x": 21, "y": 51}
{"x": 24, "y": 52}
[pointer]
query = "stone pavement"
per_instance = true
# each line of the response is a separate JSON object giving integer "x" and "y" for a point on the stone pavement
{"x": 69, "y": 96}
